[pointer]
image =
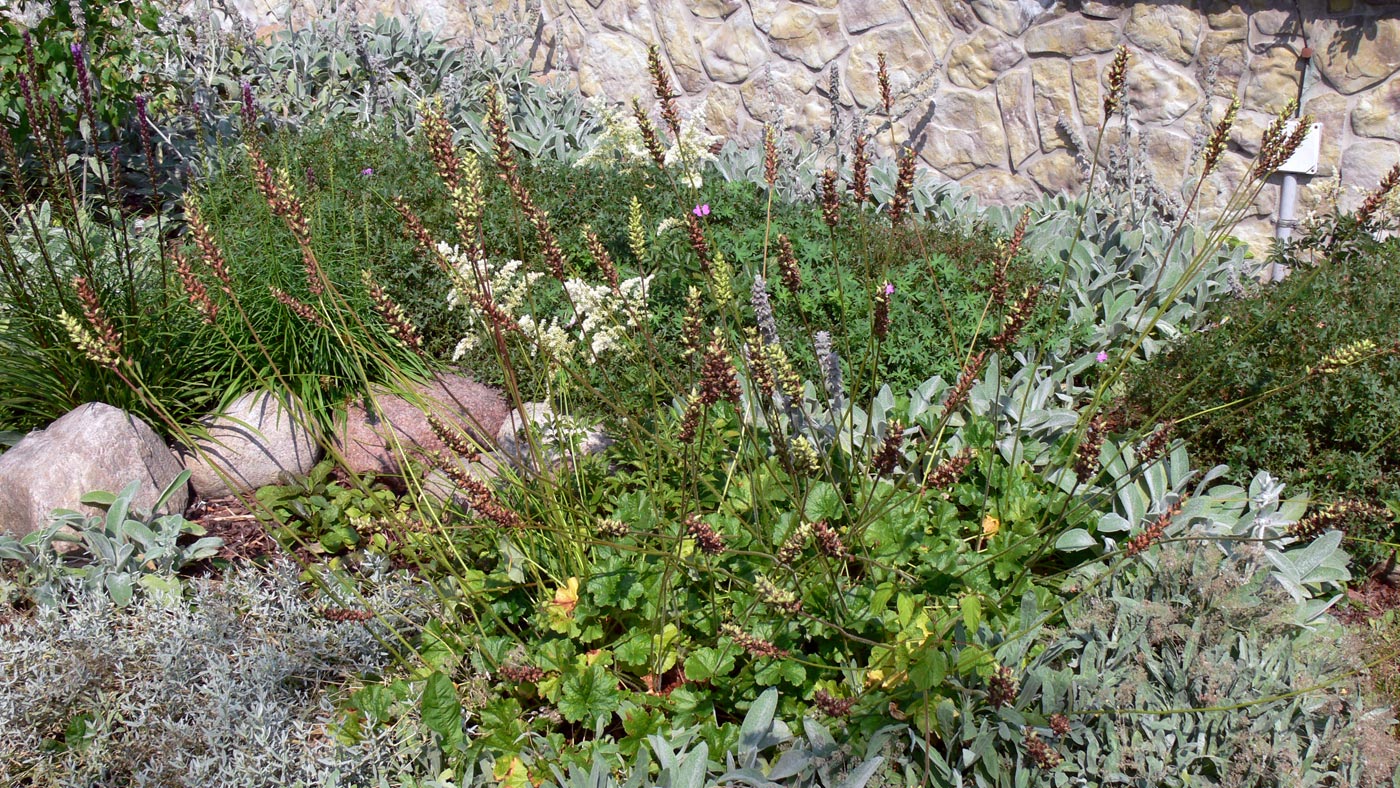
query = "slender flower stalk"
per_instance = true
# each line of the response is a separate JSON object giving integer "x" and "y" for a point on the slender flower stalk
{"x": 85, "y": 86}
{"x": 454, "y": 439}
{"x": 696, "y": 234}
{"x": 1004, "y": 260}
{"x": 415, "y": 228}
{"x": 249, "y": 109}
{"x": 754, "y": 645}
{"x": 102, "y": 344}
{"x": 763, "y": 309}
{"x": 1016, "y": 319}
{"x": 1156, "y": 444}
{"x": 718, "y": 378}
{"x": 1086, "y": 454}
{"x": 636, "y": 234}
{"x": 692, "y": 324}
{"x": 208, "y": 249}
{"x": 880, "y": 322}
{"x": 479, "y": 494}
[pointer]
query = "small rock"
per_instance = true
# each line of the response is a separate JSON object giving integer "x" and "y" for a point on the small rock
{"x": 375, "y": 440}
{"x": 550, "y": 431}
{"x": 253, "y": 443}
{"x": 94, "y": 447}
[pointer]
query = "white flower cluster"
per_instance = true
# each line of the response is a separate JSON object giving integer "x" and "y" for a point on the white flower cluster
{"x": 606, "y": 316}
{"x": 503, "y": 282}
{"x": 601, "y": 317}
{"x": 622, "y": 140}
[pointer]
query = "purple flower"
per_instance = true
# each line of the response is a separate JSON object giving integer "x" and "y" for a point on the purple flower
{"x": 889, "y": 288}
{"x": 1101, "y": 357}
{"x": 702, "y": 210}
{"x": 368, "y": 171}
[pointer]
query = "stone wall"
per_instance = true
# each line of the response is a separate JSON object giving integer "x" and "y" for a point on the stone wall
{"x": 1000, "y": 89}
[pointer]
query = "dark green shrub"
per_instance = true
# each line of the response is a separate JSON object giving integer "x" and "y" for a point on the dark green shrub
{"x": 1257, "y": 390}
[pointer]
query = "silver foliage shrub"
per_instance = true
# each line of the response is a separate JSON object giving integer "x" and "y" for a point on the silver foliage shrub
{"x": 235, "y": 687}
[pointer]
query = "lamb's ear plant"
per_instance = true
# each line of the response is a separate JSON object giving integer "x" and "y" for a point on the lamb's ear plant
{"x": 122, "y": 549}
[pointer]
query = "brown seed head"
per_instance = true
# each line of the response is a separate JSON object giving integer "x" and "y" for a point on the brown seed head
{"x": 883, "y": 77}
{"x": 787, "y": 265}
{"x": 770, "y": 155}
{"x": 831, "y": 199}
{"x": 707, "y": 539}
{"x": 1117, "y": 80}
{"x": 194, "y": 288}
{"x": 903, "y": 187}
{"x": 661, "y": 86}
{"x": 1376, "y": 199}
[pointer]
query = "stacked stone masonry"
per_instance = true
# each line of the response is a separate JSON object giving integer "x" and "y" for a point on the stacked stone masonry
{"x": 1004, "y": 88}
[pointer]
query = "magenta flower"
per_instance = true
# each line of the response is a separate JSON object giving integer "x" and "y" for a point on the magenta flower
{"x": 889, "y": 288}
{"x": 368, "y": 171}
{"x": 702, "y": 210}
{"x": 1101, "y": 357}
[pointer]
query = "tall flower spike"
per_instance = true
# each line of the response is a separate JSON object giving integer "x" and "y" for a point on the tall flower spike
{"x": 1016, "y": 319}
{"x": 636, "y": 233}
{"x": 415, "y": 229}
{"x": 763, "y": 309}
{"x": 601, "y": 258}
{"x": 249, "y": 108}
{"x": 298, "y": 308}
{"x": 860, "y": 172}
{"x": 697, "y": 241}
{"x": 830, "y": 364}
{"x": 692, "y": 324}
{"x": 194, "y": 288}
{"x": 770, "y": 156}
{"x": 707, "y": 539}
{"x": 1376, "y": 199}
{"x": 1149, "y": 535}
{"x": 1117, "y": 79}
{"x": 903, "y": 187}
{"x": 831, "y": 199}
{"x": 1086, "y": 454}
{"x": 949, "y": 471}
{"x": 787, "y": 265}
{"x": 718, "y": 378}
{"x": 649, "y": 136}
{"x": 963, "y": 389}
{"x": 661, "y": 85}
{"x": 208, "y": 249}
{"x": 883, "y": 76}
{"x": 1156, "y": 444}
{"x": 392, "y": 314}
{"x": 880, "y": 322}
{"x": 96, "y": 317}
{"x": 888, "y": 455}
{"x": 1215, "y": 146}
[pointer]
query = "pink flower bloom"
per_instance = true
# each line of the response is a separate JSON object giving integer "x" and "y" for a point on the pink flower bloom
{"x": 889, "y": 288}
{"x": 702, "y": 210}
{"x": 1101, "y": 357}
{"x": 368, "y": 171}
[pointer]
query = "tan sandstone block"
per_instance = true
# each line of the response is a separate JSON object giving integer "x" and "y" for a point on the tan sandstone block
{"x": 1054, "y": 97}
{"x": 977, "y": 62}
{"x": 1159, "y": 93}
{"x": 1072, "y": 36}
{"x": 1377, "y": 114}
{"x": 1018, "y": 115}
{"x": 1171, "y": 31}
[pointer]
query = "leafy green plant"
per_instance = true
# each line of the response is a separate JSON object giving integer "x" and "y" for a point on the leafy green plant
{"x": 124, "y": 548}
{"x": 1301, "y": 379}
{"x": 322, "y": 515}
